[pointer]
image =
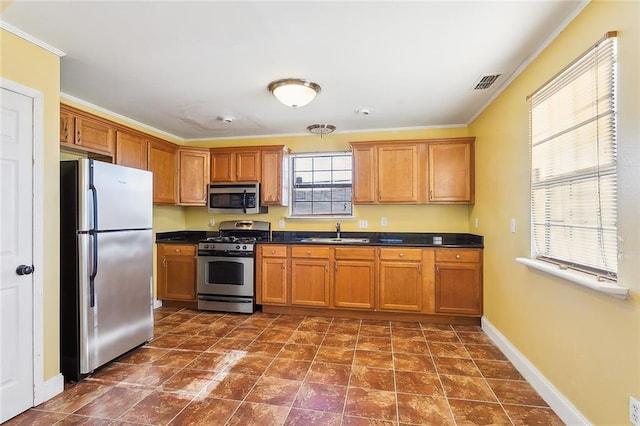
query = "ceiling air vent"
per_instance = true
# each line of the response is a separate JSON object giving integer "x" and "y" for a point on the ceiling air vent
{"x": 486, "y": 81}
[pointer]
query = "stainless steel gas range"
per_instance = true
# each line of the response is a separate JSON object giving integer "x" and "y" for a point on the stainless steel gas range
{"x": 226, "y": 266}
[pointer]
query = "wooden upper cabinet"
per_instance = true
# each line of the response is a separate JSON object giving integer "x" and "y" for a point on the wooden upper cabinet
{"x": 451, "y": 172}
{"x": 274, "y": 181}
{"x": 163, "y": 162}
{"x": 67, "y": 128}
{"x": 193, "y": 170}
{"x": 235, "y": 165}
{"x": 131, "y": 150}
{"x": 426, "y": 171}
{"x": 80, "y": 130}
{"x": 398, "y": 173}
{"x": 364, "y": 176}
{"x": 95, "y": 135}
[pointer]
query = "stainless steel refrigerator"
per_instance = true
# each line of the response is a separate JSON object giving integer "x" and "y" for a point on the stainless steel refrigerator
{"x": 106, "y": 263}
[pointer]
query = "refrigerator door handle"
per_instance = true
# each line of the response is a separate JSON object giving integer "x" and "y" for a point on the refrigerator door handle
{"x": 94, "y": 269}
{"x": 94, "y": 236}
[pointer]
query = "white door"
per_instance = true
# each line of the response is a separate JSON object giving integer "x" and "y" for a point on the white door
{"x": 16, "y": 253}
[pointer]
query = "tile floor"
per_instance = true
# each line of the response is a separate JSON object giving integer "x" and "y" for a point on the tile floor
{"x": 262, "y": 369}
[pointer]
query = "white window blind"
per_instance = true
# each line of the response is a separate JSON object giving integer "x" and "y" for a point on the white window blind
{"x": 573, "y": 163}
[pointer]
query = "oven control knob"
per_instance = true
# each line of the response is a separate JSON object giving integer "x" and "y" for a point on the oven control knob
{"x": 237, "y": 247}
{"x": 244, "y": 247}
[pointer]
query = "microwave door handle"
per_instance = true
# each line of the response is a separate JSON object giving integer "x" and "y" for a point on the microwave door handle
{"x": 244, "y": 202}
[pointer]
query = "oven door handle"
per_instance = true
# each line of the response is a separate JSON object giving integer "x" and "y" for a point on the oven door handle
{"x": 227, "y": 300}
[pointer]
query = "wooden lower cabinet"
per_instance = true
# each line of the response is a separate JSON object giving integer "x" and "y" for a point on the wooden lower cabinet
{"x": 401, "y": 279}
{"x": 354, "y": 277}
{"x": 310, "y": 276}
{"x": 458, "y": 281}
{"x": 388, "y": 281}
{"x": 177, "y": 269}
{"x": 271, "y": 275}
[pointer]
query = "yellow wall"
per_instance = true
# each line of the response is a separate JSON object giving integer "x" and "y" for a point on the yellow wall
{"x": 400, "y": 218}
{"x": 32, "y": 66}
{"x": 585, "y": 343}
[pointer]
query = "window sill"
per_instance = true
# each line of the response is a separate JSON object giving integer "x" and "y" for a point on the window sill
{"x": 319, "y": 218}
{"x": 577, "y": 277}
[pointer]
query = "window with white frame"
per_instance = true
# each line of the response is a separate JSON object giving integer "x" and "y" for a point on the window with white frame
{"x": 573, "y": 164}
{"x": 321, "y": 184}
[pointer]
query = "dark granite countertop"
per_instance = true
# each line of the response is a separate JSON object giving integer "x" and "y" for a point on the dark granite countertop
{"x": 183, "y": 237}
{"x": 402, "y": 239}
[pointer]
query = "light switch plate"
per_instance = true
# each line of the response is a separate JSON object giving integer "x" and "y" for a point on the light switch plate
{"x": 364, "y": 223}
{"x": 383, "y": 221}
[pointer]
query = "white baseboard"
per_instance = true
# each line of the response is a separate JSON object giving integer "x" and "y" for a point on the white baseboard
{"x": 157, "y": 303}
{"x": 44, "y": 391}
{"x": 558, "y": 402}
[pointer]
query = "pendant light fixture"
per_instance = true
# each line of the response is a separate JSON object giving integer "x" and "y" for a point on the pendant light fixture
{"x": 294, "y": 92}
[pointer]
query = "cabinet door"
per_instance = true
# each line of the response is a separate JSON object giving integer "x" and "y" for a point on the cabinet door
{"x": 353, "y": 284}
{"x": 163, "y": 163}
{"x": 274, "y": 280}
{"x": 177, "y": 268}
{"x": 400, "y": 286}
{"x": 398, "y": 174}
{"x": 67, "y": 128}
{"x": 310, "y": 282}
{"x": 94, "y": 135}
{"x": 194, "y": 177}
{"x": 458, "y": 288}
{"x": 450, "y": 172}
{"x": 274, "y": 182}
{"x": 222, "y": 166}
{"x": 247, "y": 166}
{"x": 364, "y": 187}
{"x": 131, "y": 150}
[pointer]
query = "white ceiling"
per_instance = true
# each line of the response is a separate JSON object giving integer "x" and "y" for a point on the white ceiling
{"x": 179, "y": 65}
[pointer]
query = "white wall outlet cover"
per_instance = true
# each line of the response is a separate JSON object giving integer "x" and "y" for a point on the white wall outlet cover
{"x": 212, "y": 222}
{"x": 513, "y": 226}
{"x": 475, "y": 223}
{"x": 281, "y": 223}
{"x": 364, "y": 223}
{"x": 383, "y": 221}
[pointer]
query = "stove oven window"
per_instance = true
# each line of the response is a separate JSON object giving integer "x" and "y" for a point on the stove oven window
{"x": 225, "y": 272}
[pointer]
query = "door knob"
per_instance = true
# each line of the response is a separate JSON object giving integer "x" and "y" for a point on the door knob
{"x": 24, "y": 270}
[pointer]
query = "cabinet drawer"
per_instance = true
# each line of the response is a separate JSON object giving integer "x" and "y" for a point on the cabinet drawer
{"x": 310, "y": 252}
{"x": 273, "y": 251}
{"x": 400, "y": 254}
{"x": 361, "y": 253}
{"x": 176, "y": 250}
{"x": 458, "y": 255}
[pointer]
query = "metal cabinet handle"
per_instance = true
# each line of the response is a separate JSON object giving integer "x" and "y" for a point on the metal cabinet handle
{"x": 335, "y": 267}
{"x": 457, "y": 256}
{"x": 308, "y": 252}
{"x": 79, "y": 138}
{"x": 326, "y": 267}
{"x": 178, "y": 250}
{"x": 283, "y": 265}
{"x": 273, "y": 252}
{"x": 401, "y": 254}
{"x": 164, "y": 262}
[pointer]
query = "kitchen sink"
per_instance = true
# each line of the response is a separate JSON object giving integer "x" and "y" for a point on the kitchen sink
{"x": 335, "y": 240}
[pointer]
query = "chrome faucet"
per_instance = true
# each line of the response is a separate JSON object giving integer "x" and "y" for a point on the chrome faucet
{"x": 338, "y": 230}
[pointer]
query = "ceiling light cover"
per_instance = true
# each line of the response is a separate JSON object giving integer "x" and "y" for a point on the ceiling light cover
{"x": 294, "y": 92}
{"x": 321, "y": 129}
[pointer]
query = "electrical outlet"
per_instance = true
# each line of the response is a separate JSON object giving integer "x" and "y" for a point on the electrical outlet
{"x": 383, "y": 221}
{"x": 281, "y": 223}
{"x": 475, "y": 223}
{"x": 634, "y": 411}
{"x": 513, "y": 226}
{"x": 212, "y": 222}
{"x": 364, "y": 223}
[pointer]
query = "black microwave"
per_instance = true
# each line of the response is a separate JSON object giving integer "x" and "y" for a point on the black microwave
{"x": 234, "y": 198}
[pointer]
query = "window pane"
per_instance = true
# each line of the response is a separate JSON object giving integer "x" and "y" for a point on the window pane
{"x": 322, "y": 184}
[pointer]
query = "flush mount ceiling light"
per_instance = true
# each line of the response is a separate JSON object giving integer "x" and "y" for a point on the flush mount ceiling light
{"x": 294, "y": 92}
{"x": 321, "y": 129}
